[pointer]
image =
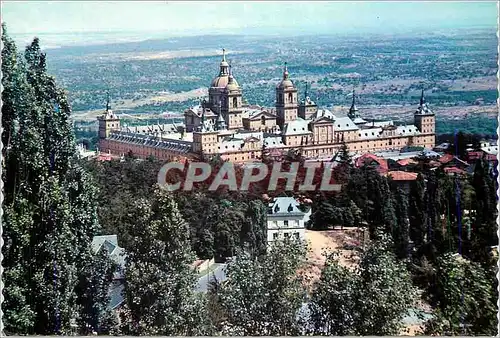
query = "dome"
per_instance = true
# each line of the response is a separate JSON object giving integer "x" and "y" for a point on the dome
{"x": 286, "y": 82}
{"x": 232, "y": 86}
{"x": 222, "y": 80}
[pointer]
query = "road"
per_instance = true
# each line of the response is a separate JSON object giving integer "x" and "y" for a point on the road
{"x": 217, "y": 274}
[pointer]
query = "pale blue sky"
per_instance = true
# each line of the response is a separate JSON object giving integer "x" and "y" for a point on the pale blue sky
{"x": 175, "y": 17}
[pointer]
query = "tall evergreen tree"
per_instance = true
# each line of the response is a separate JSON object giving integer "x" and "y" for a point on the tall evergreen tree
{"x": 254, "y": 229}
{"x": 50, "y": 212}
{"x": 485, "y": 227}
{"x": 160, "y": 279}
{"x": 417, "y": 212}
{"x": 401, "y": 232}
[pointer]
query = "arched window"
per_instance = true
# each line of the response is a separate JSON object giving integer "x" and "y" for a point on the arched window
{"x": 263, "y": 120}
{"x": 290, "y": 97}
{"x": 235, "y": 102}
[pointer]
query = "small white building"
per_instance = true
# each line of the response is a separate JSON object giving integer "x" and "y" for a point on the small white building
{"x": 286, "y": 220}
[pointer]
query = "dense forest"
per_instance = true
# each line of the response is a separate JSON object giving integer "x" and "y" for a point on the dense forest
{"x": 433, "y": 242}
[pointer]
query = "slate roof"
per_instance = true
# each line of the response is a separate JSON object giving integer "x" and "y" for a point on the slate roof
{"x": 322, "y": 113}
{"x": 273, "y": 142}
{"x": 344, "y": 124}
{"x": 284, "y": 206}
{"x": 181, "y": 146}
{"x": 407, "y": 130}
{"x": 492, "y": 150}
{"x": 198, "y": 110}
{"x": 297, "y": 127}
{"x": 117, "y": 254}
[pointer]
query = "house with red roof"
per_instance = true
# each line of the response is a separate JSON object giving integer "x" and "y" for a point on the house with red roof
{"x": 402, "y": 179}
{"x": 373, "y": 161}
{"x": 449, "y": 160}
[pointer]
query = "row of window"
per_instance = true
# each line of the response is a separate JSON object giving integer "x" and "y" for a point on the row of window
{"x": 296, "y": 235}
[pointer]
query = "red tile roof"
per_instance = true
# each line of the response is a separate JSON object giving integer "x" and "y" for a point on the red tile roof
{"x": 367, "y": 158}
{"x": 398, "y": 175}
{"x": 406, "y": 161}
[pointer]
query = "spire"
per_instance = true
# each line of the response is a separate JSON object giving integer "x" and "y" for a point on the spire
{"x": 203, "y": 114}
{"x": 221, "y": 123}
{"x": 108, "y": 105}
{"x": 353, "y": 111}
{"x": 422, "y": 98}
{"x": 285, "y": 72}
{"x": 223, "y": 55}
{"x": 306, "y": 92}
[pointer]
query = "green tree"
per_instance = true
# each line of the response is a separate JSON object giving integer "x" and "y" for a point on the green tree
{"x": 50, "y": 212}
{"x": 401, "y": 231}
{"x": 263, "y": 296}
{"x": 464, "y": 297}
{"x": 371, "y": 300}
{"x": 484, "y": 235}
{"x": 160, "y": 279}
{"x": 332, "y": 305}
{"x": 417, "y": 212}
{"x": 254, "y": 228}
{"x": 93, "y": 290}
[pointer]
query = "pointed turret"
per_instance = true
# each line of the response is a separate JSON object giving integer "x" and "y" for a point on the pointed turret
{"x": 221, "y": 122}
{"x": 353, "y": 111}
{"x": 108, "y": 105}
{"x": 422, "y": 98}
{"x": 108, "y": 121}
{"x": 425, "y": 120}
{"x": 307, "y": 107}
{"x": 423, "y": 108}
{"x": 202, "y": 124}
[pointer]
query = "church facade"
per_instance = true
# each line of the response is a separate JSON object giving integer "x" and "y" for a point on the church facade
{"x": 224, "y": 126}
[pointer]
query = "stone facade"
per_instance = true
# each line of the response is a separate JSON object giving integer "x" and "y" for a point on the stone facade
{"x": 286, "y": 220}
{"x": 225, "y": 127}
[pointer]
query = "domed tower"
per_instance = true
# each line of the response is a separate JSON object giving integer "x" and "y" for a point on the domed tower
{"x": 232, "y": 105}
{"x": 286, "y": 100}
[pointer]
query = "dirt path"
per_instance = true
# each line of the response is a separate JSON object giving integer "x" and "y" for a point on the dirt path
{"x": 326, "y": 242}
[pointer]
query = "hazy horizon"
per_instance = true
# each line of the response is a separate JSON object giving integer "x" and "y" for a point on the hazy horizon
{"x": 70, "y": 23}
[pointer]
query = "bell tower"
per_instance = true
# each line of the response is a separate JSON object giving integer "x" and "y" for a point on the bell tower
{"x": 425, "y": 119}
{"x": 108, "y": 121}
{"x": 286, "y": 100}
{"x": 232, "y": 104}
{"x": 307, "y": 107}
